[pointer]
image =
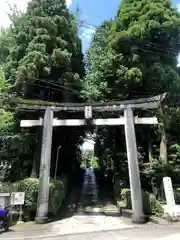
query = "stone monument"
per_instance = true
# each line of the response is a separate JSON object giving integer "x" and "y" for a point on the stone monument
{"x": 171, "y": 208}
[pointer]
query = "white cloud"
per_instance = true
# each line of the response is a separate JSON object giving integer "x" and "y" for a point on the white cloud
{"x": 178, "y": 61}
{"x": 87, "y": 33}
{"x": 21, "y": 4}
{"x": 178, "y": 7}
{"x": 86, "y": 36}
{"x": 69, "y": 2}
{"x": 4, "y": 9}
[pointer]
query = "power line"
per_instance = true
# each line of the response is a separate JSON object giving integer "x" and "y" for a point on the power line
{"x": 156, "y": 45}
{"x": 156, "y": 53}
{"x": 51, "y": 82}
{"x": 166, "y": 51}
{"x": 38, "y": 85}
{"x": 60, "y": 87}
{"x": 88, "y": 25}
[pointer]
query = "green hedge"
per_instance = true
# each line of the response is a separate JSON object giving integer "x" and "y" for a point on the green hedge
{"x": 155, "y": 206}
{"x": 57, "y": 193}
{"x": 150, "y": 204}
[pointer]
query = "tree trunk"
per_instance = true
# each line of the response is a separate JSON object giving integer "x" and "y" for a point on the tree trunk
{"x": 33, "y": 172}
{"x": 163, "y": 149}
{"x": 37, "y": 152}
{"x": 163, "y": 143}
{"x": 150, "y": 154}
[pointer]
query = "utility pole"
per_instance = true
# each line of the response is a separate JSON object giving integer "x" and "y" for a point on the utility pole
{"x": 43, "y": 196}
{"x": 57, "y": 158}
{"x": 133, "y": 166}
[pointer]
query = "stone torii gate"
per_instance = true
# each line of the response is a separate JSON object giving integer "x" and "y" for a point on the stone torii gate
{"x": 128, "y": 121}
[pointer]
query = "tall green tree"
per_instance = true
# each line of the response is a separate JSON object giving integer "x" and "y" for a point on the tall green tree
{"x": 146, "y": 33}
{"x": 5, "y": 116}
{"x": 95, "y": 58}
{"x": 15, "y": 147}
{"x": 45, "y": 62}
{"x": 140, "y": 60}
{"x": 101, "y": 69}
{"x": 5, "y": 42}
{"x": 47, "y": 50}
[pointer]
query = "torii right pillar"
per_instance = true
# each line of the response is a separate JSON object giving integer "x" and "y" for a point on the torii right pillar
{"x": 133, "y": 166}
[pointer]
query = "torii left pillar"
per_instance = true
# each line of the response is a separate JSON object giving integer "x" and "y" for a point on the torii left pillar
{"x": 43, "y": 196}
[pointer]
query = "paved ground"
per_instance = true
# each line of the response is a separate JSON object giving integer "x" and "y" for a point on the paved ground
{"x": 94, "y": 216}
{"x": 131, "y": 234}
{"x": 141, "y": 233}
{"x": 95, "y": 212}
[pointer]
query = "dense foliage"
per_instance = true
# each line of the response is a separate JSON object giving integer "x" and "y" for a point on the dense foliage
{"x": 58, "y": 191}
{"x": 134, "y": 56}
{"x": 42, "y": 59}
{"x": 95, "y": 60}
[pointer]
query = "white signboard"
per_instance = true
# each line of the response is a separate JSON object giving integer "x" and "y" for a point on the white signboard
{"x": 169, "y": 193}
{"x": 4, "y": 200}
{"x": 17, "y": 198}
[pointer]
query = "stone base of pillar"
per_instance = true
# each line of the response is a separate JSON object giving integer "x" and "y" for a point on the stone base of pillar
{"x": 138, "y": 219}
{"x": 41, "y": 220}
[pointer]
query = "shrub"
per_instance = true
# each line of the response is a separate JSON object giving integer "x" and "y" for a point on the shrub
{"x": 156, "y": 206}
{"x": 146, "y": 203}
{"x": 126, "y": 197}
{"x": 150, "y": 204}
{"x": 118, "y": 185}
{"x": 57, "y": 193}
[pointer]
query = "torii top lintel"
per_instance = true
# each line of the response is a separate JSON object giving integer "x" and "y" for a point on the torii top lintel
{"x": 143, "y": 103}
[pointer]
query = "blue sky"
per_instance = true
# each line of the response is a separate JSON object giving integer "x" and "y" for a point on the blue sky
{"x": 95, "y": 12}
